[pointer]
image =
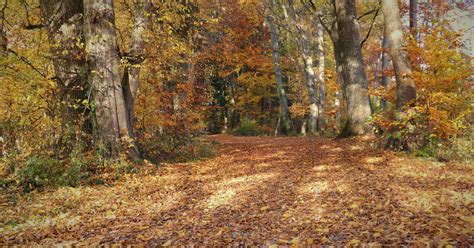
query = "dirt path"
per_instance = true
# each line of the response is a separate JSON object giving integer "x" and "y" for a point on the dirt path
{"x": 262, "y": 191}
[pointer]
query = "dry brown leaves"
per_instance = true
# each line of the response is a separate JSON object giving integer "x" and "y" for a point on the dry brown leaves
{"x": 262, "y": 191}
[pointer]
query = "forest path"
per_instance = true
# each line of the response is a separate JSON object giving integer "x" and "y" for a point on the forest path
{"x": 262, "y": 191}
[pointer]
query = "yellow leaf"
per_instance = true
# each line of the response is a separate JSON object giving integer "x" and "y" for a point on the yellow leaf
{"x": 353, "y": 242}
{"x": 167, "y": 243}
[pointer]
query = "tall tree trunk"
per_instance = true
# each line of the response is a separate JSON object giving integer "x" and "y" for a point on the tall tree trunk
{"x": 384, "y": 69}
{"x": 406, "y": 89}
{"x": 378, "y": 68}
{"x": 413, "y": 18}
{"x": 131, "y": 77}
{"x": 312, "y": 84}
{"x": 3, "y": 33}
{"x": 64, "y": 23}
{"x": 320, "y": 74}
{"x": 110, "y": 112}
{"x": 286, "y": 124}
{"x": 355, "y": 83}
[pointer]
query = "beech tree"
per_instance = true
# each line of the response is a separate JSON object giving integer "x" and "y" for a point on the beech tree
{"x": 64, "y": 23}
{"x": 112, "y": 121}
{"x": 3, "y": 35}
{"x": 406, "y": 89}
{"x": 313, "y": 81}
{"x": 354, "y": 79}
{"x": 286, "y": 124}
{"x": 131, "y": 76}
{"x": 413, "y": 17}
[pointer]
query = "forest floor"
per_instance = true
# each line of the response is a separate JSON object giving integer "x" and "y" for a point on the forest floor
{"x": 261, "y": 191}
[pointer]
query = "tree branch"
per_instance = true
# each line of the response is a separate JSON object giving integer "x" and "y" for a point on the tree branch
{"x": 30, "y": 26}
{"x": 368, "y": 13}
{"x": 26, "y": 61}
{"x": 371, "y": 27}
{"x": 329, "y": 31}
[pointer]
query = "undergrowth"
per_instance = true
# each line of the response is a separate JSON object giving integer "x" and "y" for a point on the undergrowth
{"x": 248, "y": 127}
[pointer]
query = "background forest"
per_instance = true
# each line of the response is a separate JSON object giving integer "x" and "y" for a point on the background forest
{"x": 123, "y": 121}
{"x": 217, "y": 122}
{"x": 88, "y": 86}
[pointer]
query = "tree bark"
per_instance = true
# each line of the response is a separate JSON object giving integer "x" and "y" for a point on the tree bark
{"x": 320, "y": 74}
{"x": 413, "y": 18}
{"x": 406, "y": 89}
{"x": 64, "y": 23}
{"x": 302, "y": 40}
{"x": 384, "y": 69}
{"x": 131, "y": 78}
{"x": 3, "y": 33}
{"x": 286, "y": 124}
{"x": 110, "y": 112}
{"x": 355, "y": 83}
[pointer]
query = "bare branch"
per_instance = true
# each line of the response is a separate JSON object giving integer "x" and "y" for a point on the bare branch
{"x": 26, "y": 61}
{"x": 371, "y": 27}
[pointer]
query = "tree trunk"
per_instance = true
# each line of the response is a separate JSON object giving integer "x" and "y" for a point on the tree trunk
{"x": 413, "y": 18}
{"x": 406, "y": 89}
{"x": 64, "y": 23}
{"x": 301, "y": 33}
{"x": 384, "y": 69}
{"x": 110, "y": 112}
{"x": 320, "y": 74}
{"x": 355, "y": 83}
{"x": 378, "y": 68}
{"x": 3, "y": 33}
{"x": 131, "y": 78}
{"x": 286, "y": 124}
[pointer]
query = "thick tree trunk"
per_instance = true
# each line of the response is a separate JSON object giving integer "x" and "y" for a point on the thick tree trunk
{"x": 355, "y": 83}
{"x": 406, "y": 89}
{"x": 286, "y": 124}
{"x": 64, "y": 23}
{"x": 110, "y": 112}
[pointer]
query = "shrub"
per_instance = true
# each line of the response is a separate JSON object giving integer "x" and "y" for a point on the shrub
{"x": 166, "y": 147}
{"x": 460, "y": 149}
{"x": 42, "y": 172}
{"x": 248, "y": 127}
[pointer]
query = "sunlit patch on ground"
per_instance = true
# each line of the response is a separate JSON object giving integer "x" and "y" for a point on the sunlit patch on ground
{"x": 356, "y": 148}
{"x": 374, "y": 160}
{"x": 228, "y": 189}
{"x": 326, "y": 167}
{"x": 314, "y": 188}
{"x": 420, "y": 200}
